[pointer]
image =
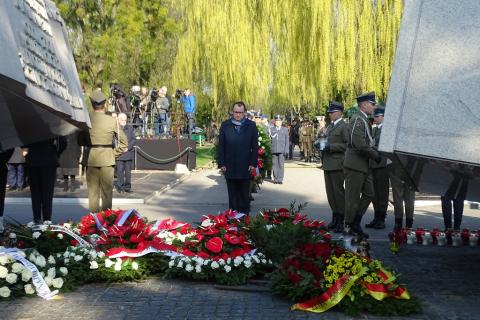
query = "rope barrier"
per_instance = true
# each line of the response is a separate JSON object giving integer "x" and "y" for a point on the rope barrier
{"x": 162, "y": 161}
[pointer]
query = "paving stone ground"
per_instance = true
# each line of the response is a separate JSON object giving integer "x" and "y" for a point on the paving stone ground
{"x": 446, "y": 279}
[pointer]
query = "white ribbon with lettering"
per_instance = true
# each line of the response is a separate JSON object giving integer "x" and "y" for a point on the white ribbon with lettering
{"x": 80, "y": 240}
{"x": 40, "y": 285}
{"x": 97, "y": 222}
{"x": 135, "y": 254}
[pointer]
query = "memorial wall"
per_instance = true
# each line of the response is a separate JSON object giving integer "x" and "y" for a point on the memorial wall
{"x": 40, "y": 93}
{"x": 432, "y": 117}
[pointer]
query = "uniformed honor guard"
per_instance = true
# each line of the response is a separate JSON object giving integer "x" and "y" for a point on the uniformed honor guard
{"x": 358, "y": 179}
{"x": 333, "y": 154}
{"x": 306, "y": 140}
{"x": 106, "y": 141}
{"x": 280, "y": 145}
{"x": 381, "y": 182}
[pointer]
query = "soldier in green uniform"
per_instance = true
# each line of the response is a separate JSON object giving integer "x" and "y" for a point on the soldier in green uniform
{"x": 358, "y": 179}
{"x": 381, "y": 183}
{"x": 333, "y": 153}
{"x": 306, "y": 139}
{"x": 100, "y": 139}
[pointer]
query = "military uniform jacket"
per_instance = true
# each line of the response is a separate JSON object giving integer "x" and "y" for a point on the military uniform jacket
{"x": 360, "y": 147}
{"x": 306, "y": 134}
{"x": 279, "y": 139}
{"x": 100, "y": 140}
{"x": 337, "y": 137}
{"x": 383, "y": 163}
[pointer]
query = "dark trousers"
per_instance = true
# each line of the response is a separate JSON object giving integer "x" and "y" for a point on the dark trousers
{"x": 42, "y": 183}
{"x": 124, "y": 175}
{"x": 335, "y": 190}
{"x": 358, "y": 193}
{"x": 3, "y": 186}
{"x": 457, "y": 212}
{"x": 403, "y": 197}
{"x": 238, "y": 194}
{"x": 381, "y": 186}
{"x": 190, "y": 123}
{"x": 16, "y": 175}
{"x": 291, "y": 149}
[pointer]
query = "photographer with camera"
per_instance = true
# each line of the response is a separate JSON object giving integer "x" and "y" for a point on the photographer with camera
{"x": 189, "y": 104}
{"x": 163, "y": 104}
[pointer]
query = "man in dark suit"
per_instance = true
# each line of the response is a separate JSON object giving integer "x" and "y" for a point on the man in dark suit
{"x": 4, "y": 156}
{"x": 237, "y": 156}
{"x": 42, "y": 161}
{"x": 279, "y": 141}
{"x": 333, "y": 153}
{"x": 124, "y": 163}
{"x": 380, "y": 173}
{"x": 358, "y": 179}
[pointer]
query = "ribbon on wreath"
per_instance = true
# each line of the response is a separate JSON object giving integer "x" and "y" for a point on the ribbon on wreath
{"x": 58, "y": 228}
{"x": 41, "y": 286}
{"x": 332, "y": 296}
{"x": 380, "y": 291}
{"x": 142, "y": 249}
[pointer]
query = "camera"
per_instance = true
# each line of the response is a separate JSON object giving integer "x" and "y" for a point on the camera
{"x": 154, "y": 94}
{"x": 115, "y": 90}
{"x": 178, "y": 94}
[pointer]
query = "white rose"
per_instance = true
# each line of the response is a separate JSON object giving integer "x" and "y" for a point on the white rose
{"x": 198, "y": 268}
{"x": 26, "y": 275}
{"x": 229, "y": 260}
{"x": 108, "y": 263}
{"x": 17, "y": 267}
{"x": 60, "y": 236}
{"x": 221, "y": 262}
{"x": 51, "y": 272}
{"x": 119, "y": 260}
{"x": 67, "y": 225}
{"x": 30, "y": 224}
{"x": 51, "y": 260}
{"x": 4, "y": 292}
{"x": 118, "y": 266}
{"x": 42, "y": 274}
{"x": 189, "y": 268}
{"x": 264, "y": 261}
{"x": 29, "y": 289}
{"x": 214, "y": 265}
{"x": 66, "y": 254}
{"x": 247, "y": 263}
{"x": 32, "y": 257}
{"x": 48, "y": 281}
{"x": 227, "y": 269}
{"x": 11, "y": 278}
{"x": 4, "y": 259}
{"x": 260, "y": 138}
{"x": 134, "y": 265}
{"x": 40, "y": 261}
{"x": 206, "y": 262}
{"x": 93, "y": 265}
{"x": 42, "y": 227}
{"x": 57, "y": 283}
{"x": 66, "y": 261}
{"x": 171, "y": 263}
{"x": 255, "y": 258}
{"x": 47, "y": 222}
{"x": 180, "y": 264}
{"x": 101, "y": 254}
{"x": 93, "y": 254}
{"x": 78, "y": 258}
{"x": 63, "y": 271}
{"x": 3, "y": 272}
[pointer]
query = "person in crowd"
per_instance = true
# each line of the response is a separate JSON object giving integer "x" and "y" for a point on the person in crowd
{"x": 69, "y": 162}
{"x": 280, "y": 145}
{"x": 124, "y": 163}
{"x": 266, "y": 124}
{"x": 294, "y": 137}
{"x": 143, "y": 108}
{"x": 42, "y": 161}
{"x": 164, "y": 104}
{"x": 403, "y": 192}
{"x": 454, "y": 198}
{"x": 358, "y": 178}
{"x": 237, "y": 156}
{"x": 306, "y": 140}
{"x": 16, "y": 170}
{"x": 381, "y": 182}
{"x": 4, "y": 156}
{"x": 333, "y": 154}
{"x": 100, "y": 139}
{"x": 190, "y": 108}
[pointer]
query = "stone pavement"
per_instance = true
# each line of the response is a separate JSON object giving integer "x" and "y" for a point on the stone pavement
{"x": 445, "y": 279}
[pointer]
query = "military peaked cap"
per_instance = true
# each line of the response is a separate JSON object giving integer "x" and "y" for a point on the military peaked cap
{"x": 97, "y": 97}
{"x": 335, "y": 106}
{"x": 369, "y": 96}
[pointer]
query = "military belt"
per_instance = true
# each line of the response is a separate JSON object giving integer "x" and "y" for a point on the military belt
{"x": 101, "y": 146}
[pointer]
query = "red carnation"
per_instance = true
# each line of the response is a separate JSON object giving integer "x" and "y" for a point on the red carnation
{"x": 215, "y": 244}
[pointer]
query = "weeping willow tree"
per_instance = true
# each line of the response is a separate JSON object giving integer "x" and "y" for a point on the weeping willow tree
{"x": 289, "y": 54}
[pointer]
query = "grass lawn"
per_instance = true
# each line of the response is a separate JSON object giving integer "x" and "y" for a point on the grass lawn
{"x": 205, "y": 154}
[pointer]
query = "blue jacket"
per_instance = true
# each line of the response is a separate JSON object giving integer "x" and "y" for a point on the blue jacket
{"x": 189, "y": 103}
{"x": 132, "y": 141}
{"x": 238, "y": 150}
